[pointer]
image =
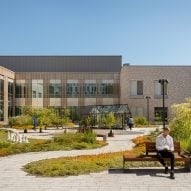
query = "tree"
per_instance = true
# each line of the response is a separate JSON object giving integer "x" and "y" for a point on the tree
{"x": 181, "y": 122}
{"x": 110, "y": 119}
{"x": 44, "y": 116}
{"x": 23, "y": 121}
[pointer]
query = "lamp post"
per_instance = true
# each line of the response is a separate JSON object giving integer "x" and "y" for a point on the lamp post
{"x": 163, "y": 82}
{"x": 148, "y": 97}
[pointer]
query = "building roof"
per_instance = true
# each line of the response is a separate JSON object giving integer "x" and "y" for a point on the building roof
{"x": 62, "y": 63}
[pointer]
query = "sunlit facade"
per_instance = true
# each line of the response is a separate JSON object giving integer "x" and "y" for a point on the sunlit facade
{"x": 74, "y": 82}
{"x": 79, "y": 82}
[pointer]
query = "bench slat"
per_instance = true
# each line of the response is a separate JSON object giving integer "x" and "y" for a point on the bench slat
{"x": 151, "y": 147}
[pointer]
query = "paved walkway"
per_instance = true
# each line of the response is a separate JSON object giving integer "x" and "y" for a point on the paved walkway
{"x": 12, "y": 178}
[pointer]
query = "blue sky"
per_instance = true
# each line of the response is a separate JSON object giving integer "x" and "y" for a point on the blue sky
{"x": 142, "y": 31}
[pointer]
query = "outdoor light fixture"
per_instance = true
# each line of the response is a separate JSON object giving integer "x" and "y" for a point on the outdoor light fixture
{"x": 163, "y": 82}
{"x": 148, "y": 97}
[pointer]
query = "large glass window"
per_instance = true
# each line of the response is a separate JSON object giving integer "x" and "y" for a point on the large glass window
{"x": 159, "y": 113}
{"x": 20, "y": 90}
{"x": 55, "y": 89}
{"x": 18, "y": 110}
{"x": 37, "y": 88}
{"x": 106, "y": 89}
{"x": 136, "y": 87}
{"x": 10, "y": 98}
{"x": 1, "y": 98}
{"x": 73, "y": 89}
{"x": 90, "y": 89}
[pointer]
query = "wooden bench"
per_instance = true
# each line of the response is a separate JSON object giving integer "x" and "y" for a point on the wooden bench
{"x": 151, "y": 155}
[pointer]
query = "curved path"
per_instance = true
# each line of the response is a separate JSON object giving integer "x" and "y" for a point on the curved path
{"x": 12, "y": 178}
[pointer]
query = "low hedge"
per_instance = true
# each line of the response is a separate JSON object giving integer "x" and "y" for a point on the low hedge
{"x": 65, "y": 141}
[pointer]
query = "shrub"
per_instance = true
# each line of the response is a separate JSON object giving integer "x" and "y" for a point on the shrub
{"x": 139, "y": 121}
{"x": 69, "y": 138}
{"x": 3, "y": 135}
{"x": 65, "y": 141}
{"x": 181, "y": 122}
{"x": 21, "y": 121}
{"x": 89, "y": 137}
{"x": 4, "y": 144}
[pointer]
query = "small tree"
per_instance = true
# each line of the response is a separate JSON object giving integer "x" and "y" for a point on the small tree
{"x": 24, "y": 121}
{"x": 44, "y": 116}
{"x": 110, "y": 120}
{"x": 181, "y": 122}
{"x": 64, "y": 116}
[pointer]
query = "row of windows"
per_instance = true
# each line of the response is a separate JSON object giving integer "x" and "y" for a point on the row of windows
{"x": 1, "y": 99}
{"x": 56, "y": 90}
{"x": 137, "y": 88}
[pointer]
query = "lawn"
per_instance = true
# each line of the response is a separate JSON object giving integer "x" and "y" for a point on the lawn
{"x": 65, "y": 141}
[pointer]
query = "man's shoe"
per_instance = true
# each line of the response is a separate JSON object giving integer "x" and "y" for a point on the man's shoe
{"x": 166, "y": 170}
{"x": 172, "y": 175}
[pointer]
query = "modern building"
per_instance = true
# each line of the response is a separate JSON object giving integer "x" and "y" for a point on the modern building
{"x": 78, "y": 82}
{"x": 60, "y": 81}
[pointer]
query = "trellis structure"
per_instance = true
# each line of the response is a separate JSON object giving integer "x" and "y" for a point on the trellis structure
{"x": 121, "y": 110}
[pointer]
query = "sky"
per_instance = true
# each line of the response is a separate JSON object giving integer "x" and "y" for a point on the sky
{"x": 143, "y": 32}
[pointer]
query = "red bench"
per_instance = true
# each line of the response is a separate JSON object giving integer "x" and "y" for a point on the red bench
{"x": 151, "y": 155}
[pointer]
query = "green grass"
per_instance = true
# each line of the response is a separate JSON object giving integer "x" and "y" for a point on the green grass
{"x": 66, "y": 141}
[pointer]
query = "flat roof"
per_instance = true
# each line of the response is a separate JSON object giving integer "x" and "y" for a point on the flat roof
{"x": 62, "y": 63}
{"x": 138, "y": 65}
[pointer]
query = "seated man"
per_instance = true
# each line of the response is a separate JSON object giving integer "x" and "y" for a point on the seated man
{"x": 165, "y": 148}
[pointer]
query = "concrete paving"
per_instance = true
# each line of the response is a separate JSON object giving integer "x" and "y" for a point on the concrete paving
{"x": 12, "y": 178}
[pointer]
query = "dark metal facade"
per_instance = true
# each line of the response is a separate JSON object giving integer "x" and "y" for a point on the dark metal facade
{"x": 62, "y": 63}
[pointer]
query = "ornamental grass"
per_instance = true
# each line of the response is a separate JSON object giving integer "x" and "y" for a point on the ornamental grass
{"x": 85, "y": 164}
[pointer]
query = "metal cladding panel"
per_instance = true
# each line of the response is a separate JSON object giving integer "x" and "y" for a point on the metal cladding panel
{"x": 62, "y": 63}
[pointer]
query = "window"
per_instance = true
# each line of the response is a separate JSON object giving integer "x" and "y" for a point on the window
{"x": 10, "y": 97}
{"x": 37, "y": 88}
{"x": 40, "y": 95}
{"x": 1, "y": 98}
{"x": 18, "y": 110}
{"x": 136, "y": 87}
{"x": 159, "y": 89}
{"x": 139, "y": 87}
{"x": 159, "y": 113}
{"x": 73, "y": 89}
{"x": 20, "y": 89}
{"x": 34, "y": 94}
{"x": 90, "y": 89}
{"x": 106, "y": 89}
{"x": 55, "y": 89}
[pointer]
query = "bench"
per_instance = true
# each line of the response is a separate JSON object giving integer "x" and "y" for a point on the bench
{"x": 150, "y": 155}
{"x": 102, "y": 135}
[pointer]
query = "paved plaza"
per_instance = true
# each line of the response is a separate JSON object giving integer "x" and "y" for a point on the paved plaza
{"x": 12, "y": 178}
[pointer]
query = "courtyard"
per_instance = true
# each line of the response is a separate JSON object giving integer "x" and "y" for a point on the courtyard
{"x": 12, "y": 177}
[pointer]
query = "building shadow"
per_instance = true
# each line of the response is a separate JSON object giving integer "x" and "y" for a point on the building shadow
{"x": 146, "y": 172}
